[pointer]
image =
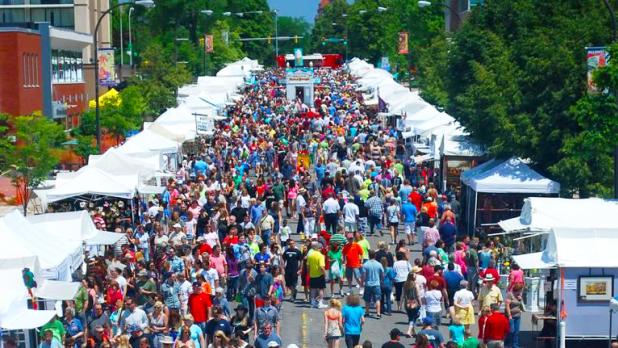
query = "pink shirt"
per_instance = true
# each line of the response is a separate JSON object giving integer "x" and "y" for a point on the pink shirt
{"x": 431, "y": 236}
{"x": 516, "y": 276}
{"x": 218, "y": 263}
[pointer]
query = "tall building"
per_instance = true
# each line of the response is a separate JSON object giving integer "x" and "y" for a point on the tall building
{"x": 49, "y": 67}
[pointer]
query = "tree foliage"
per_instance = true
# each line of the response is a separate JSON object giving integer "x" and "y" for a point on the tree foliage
{"x": 514, "y": 74}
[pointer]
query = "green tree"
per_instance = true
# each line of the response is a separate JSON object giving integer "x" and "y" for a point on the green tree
{"x": 515, "y": 71}
{"x": 290, "y": 26}
{"x": 223, "y": 53}
{"x": 33, "y": 155}
{"x": 586, "y": 166}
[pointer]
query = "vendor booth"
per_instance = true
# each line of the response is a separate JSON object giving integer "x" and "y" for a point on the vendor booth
{"x": 581, "y": 271}
{"x": 299, "y": 84}
{"x": 496, "y": 190}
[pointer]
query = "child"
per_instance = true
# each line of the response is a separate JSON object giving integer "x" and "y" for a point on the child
{"x": 456, "y": 332}
{"x": 470, "y": 341}
{"x": 284, "y": 233}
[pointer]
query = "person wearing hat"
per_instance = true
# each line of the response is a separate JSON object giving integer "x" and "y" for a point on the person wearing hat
{"x": 240, "y": 322}
{"x": 166, "y": 342}
{"x": 177, "y": 235}
{"x": 490, "y": 293}
{"x": 146, "y": 288}
{"x": 395, "y": 336}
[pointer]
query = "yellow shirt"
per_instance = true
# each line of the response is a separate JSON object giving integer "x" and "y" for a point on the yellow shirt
{"x": 364, "y": 243}
{"x": 488, "y": 297}
{"x": 316, "y": 262}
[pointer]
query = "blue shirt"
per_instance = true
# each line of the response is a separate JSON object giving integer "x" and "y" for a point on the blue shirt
{"x": 404, "y": 192}
{"x": 256, "y": 213}
{"x": 352, "y": 319}
{"x": 409, "y": 212}
{"x": 452, "y": 279}
{"x": 200, "y": 166}
{"x": 372, "y": 272}
{"x": 484, "y": 258}
{"x": 448, "y": 232}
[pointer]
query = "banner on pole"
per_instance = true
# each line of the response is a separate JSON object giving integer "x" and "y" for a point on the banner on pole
{"x": 106, "y": 73}
{"x": 596, "y": 57}
{"x": 298, "y": 57}
{"x": 403, "y": 42}
{"x": 209, "y": 43}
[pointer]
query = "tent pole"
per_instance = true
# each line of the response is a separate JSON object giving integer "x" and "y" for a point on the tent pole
{"x": 476, "y": 199}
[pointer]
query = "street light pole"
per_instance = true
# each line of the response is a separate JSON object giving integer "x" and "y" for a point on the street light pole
{"x": 612, "y": 13}
{"x": 121, "y": 41}
{"x": 424, "y": 3}
{"x": 147, "y": 3}
{"x": 276, "y": 35}
{"x": 130, "y": 39}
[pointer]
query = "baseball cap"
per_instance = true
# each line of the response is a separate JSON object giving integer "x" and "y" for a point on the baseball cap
{"x": 273, "y": 344}
{"x": 427, "y": 321}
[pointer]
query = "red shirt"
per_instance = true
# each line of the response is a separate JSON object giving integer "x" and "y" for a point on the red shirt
{"x": 327, "y": 193}
{"x": 416, "y": 199}
{"x": 229, "y": 239}
{"x": 198, "y": 305}
{"x": 496, "y": 327}
{"x": 353, "y": 254}
{"x": 439, "y": 279}
{"x": 427, "y": 272}
{"x": 482, "y": 322}
{"x": 205, "y": 248}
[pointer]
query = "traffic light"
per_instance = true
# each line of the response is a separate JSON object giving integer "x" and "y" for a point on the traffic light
{"x": 345, "y": 42}
{"x": 201, "y": 41}
{"x": 270, "y": 39}
{"x": 295, "y": 38}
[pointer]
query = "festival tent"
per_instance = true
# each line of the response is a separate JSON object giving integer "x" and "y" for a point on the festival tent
{"x": 117, "y": 163}
{"x": 148, "y": 142}
{"x": 544, "y": 213}
{"x": 441, "y": 119}
{"x": 90, "y": 180}
{"x": 73, "y": 226}
{"x": 242, "y": 68}
{"x": 512, "y": 176}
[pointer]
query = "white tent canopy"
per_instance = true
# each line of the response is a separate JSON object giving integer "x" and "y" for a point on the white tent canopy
{"x": 115, "y": 162}
{"x": 564, "y": 249}
{"x": 545, "y": 213}
{"x": 73, "y": 226}
{"x": 512, "y": 176}
{"x": 148, "y": 141}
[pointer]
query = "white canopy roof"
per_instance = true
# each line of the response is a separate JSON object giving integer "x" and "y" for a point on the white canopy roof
{"x": 512, "y": 176}
{"x": 545, "y": 213}
{"x": 93, "y": 181}
{"x": 115, "y": 162}
{"x": 564, "y": 249}
{"x": 148, "y": 141}
{"x": 73, "y": 226}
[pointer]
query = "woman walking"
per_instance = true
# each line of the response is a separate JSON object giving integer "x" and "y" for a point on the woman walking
{"x": 402, "y": 268}
{"x": 514, "y": 307}
{"x": 353, "y": 319}
{"x": 412, "y": 301}
{"x": 333, "y": 324}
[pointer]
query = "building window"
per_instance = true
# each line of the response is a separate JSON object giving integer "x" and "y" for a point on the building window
{"x": 67, "y": 67}
{"x": 35, "y": 71}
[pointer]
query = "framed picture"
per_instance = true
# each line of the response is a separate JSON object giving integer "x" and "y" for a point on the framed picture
{"x": 595, "y": 288}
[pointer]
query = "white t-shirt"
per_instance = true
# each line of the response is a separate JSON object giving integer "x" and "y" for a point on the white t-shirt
{"x": 350, "y": 212}
{"x": 463, "y": 297}
{"x": 211, "y": 276}
{"x": 300, "y": 203}
{"x": 211, "y": 238}
{"x": 402, "y": 269}
{"x": 421, "y": 284}
{"x": 331, "y": 206}
{"x": 433, "y": 300}
{"x": 122, "y": 283}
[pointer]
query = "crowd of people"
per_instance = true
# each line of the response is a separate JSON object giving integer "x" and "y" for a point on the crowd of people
{"x": 286, "y": 197}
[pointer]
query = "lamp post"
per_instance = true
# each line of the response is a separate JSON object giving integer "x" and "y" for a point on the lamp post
{"x": 612, "y": 13}
{"x": 121, "y": 41}
{"x": 424, "y": 3}
{"x": 276, "y": 35}
{"x": 380, "y": 9}
{"x": 130, "y": 39}
{"x": 145, "y": 3}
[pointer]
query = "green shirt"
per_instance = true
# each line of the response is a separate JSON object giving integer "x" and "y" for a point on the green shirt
{"x": 399, "y": 168}
{"x": 148, "y": 285}
{"x": 56, "y": 328}
{"x": 470, "y": 342}
{"x": 80, "y": 299}
{"x": 278, "y": 191}
{"x": 335, "y": 256}
{"x": 364, "y": 243}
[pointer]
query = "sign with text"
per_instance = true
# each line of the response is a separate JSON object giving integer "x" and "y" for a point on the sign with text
{"x": 203, "y": 124}
{"x": 299, "y": 75}
{"x": 403, "y": 43}
{"x": 209, "y": 43}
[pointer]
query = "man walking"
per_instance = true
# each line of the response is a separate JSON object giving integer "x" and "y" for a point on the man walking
{"x": 373, "y": 273}
{"x": 316, "y": 266}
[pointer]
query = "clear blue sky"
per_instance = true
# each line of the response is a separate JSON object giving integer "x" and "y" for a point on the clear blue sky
{"x": 296, "y": 8}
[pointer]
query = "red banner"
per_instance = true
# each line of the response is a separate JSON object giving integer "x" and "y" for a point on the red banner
{"x": 403, "y": 42}
{"x": 208, "y": 43}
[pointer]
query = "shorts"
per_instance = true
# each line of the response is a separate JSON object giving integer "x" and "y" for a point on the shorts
{"x": 409, "y": 228}
{"x": 350, "y": 227}
{"x": 291, "y": 279}
{"x": 334, "y": 275}
{"x": 393, "y": 224}
{"x": 317, "y": 283}
{"x": 350, "y": 272}
{"x": 372, "y": 293}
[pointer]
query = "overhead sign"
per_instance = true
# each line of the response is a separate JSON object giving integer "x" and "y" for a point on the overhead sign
{"x": 209, "y": 43}
{"x": 106, "y": 73}
{"x": 299, "y": 75}
{"x": 403, "y": 42}
{"x": 596, "y": 57}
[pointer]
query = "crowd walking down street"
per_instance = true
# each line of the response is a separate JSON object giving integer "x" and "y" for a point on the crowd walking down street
{"x": 293, "y": 221}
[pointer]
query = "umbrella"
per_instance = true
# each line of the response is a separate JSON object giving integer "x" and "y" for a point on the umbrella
{"x": 338, "y": 238}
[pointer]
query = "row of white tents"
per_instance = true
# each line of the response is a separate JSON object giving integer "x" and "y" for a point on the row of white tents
{"x": 144, "y": 160}
{"x": 440, "y": 131}
{"x": 52, "y": 245}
